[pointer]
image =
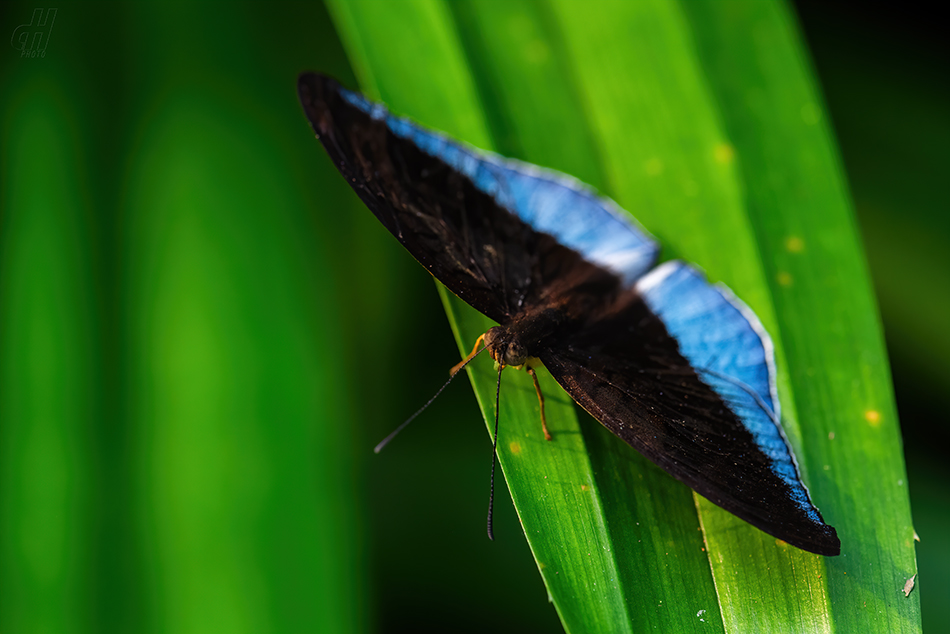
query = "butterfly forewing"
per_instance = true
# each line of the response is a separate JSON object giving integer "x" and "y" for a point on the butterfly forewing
{"x": 481, "y": 251}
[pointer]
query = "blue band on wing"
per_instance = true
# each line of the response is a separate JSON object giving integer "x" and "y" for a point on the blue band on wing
{"x": 726, "y": 344}
{"x": 549, "y": 201}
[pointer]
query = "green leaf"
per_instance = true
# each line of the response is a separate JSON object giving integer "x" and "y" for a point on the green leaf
{"x": 173, "y": 372}
{"x": 703, "y": 120}
{"x": 48, "y": 376}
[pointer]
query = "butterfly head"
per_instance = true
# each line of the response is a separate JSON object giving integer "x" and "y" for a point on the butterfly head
{"x": 505, "y": 348}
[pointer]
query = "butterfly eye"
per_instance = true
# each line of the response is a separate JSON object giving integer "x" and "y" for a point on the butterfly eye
{"x": 493, "y": 336}
{"x": 516, "y": 354}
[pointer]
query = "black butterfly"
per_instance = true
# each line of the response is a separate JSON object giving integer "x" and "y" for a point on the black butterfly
{"x": 679, "y": 369}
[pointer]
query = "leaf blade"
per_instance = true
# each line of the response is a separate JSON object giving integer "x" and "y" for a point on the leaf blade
{"x": 682, "y": 178}
{"x": 820, "y": 287}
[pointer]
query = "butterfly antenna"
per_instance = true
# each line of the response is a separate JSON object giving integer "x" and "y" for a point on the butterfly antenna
{"x": 494, "y": 457}
{"x": 385, "y": 441}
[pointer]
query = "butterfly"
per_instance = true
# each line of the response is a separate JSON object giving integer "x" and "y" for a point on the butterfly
{"x": 678, "y": 368}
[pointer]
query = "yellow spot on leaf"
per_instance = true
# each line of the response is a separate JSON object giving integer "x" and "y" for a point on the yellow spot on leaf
{"x": 873, "y": 417}
{"x": 515, "y": 448}
{"x": 537, "y": 52}
{"x": 653, "y": 167}
{"x": 724, "y": 153}
{"x": 784, "y": 279}
{"x": 584, "y": 487}
{"x": 794, "y": 244}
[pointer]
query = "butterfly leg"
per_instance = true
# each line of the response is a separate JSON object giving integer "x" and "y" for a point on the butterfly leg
{"x": 458, "y": 366}
{"x": 537, "y": 388}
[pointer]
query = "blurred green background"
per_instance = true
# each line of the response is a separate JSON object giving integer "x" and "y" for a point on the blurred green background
{"x": 203, "y": 334}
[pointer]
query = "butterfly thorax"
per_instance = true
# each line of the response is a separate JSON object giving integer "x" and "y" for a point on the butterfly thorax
{"x": 523, "y": 337}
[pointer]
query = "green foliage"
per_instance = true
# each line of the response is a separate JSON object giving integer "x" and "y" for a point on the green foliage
{"x": 203, "y": 332}
{"x": 170, "y": 378}
{"x": 702, "y": 119}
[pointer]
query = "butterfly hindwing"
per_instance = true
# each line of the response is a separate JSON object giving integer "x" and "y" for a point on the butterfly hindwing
{"x": 679, "y": 372}
{"x": 725, "y": 342}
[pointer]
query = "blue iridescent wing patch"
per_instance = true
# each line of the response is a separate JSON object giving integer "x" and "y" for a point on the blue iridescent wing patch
{"x": 728, "y": 346}
{"x": 676, "y": 367}
{"x": 549, "y": 201}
